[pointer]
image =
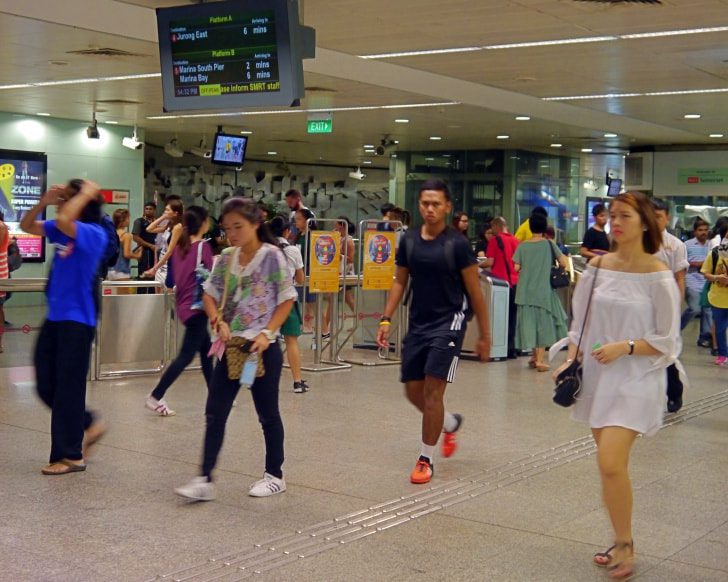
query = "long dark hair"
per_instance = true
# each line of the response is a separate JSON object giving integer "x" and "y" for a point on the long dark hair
{"x": 278, "y": 225}
{"x": 308, "y": 215}
{"x": 178, "y": 208}
{"x": 248, "y": 209}
{"x": 192, "y": 221}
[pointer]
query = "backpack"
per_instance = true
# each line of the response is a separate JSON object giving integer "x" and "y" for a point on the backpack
{"x": 449, "y": 247}
{"x": 113, "y": 246}
{"x": 15, "y": 259}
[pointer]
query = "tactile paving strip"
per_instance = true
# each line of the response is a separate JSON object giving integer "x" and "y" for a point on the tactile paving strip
{"x": 327, "y": 535}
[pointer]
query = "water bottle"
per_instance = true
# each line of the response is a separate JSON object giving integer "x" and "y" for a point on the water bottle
{"x": 250, "y": 368}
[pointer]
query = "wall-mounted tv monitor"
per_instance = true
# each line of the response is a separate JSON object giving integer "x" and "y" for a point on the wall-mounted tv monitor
{"x": 229, "y": 150}
{"x": 23, "y": 178}
{"x": 614, "y": 187}
{"x": 231, "y": 55}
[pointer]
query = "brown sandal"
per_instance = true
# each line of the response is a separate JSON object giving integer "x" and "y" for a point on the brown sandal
{"x": 66, "y": 467}
{"x": 602, "y": 559}
{"x": 625, "y": 568}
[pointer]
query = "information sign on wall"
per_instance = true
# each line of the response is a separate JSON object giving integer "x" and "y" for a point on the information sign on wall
{"x": 379, "y": 249}
{"x": 702, "y": 176}
{"x": 325, "y": 258}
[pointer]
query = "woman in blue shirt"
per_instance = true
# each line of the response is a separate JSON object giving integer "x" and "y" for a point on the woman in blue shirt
{"x": 63, "y": 348}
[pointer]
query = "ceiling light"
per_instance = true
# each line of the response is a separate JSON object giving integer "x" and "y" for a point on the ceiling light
{"x": 610, "y": 135}
{"x": 674, "y": 32}
{"x": 111, "y": 122}
{"x": 536, "y": 43}
{"x": 502, "y": 136}
{"x": 368, "y": 146}
{"x": 92, "y": 131}
{"x": 82, "y": 81}
{"x": 435, "y": 138}
{"x": 647, "y": 94}
{"x": 587, "y": 150}
{"x": 396, "y": 142}
{"x": 367, "y": 162}
{"x": 272, "y": 153}
{"x": 44, "y": 114}
{"x": 445, "y": 51}
{"x": 246, "y": 132}
{"x": 523, "y": 118}
{"x": 716, "y": 135}
{"x": 287, "y": 111}
{"x": 132, "y": 142}
{"x": 401, "y": 120}
{"x": 429, "y": 159}
{"x": 394, "y": 155}
{"x": 692, "y": 116}
{"x": 173, "y": 149}
{"x": 555, "y": 145}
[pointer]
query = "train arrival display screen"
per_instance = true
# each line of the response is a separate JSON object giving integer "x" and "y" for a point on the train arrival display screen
{"x": 225, "y": 55}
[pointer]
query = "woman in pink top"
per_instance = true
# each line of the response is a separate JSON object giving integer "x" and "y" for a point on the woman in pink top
{"x": 190, "y": 264}
{"x": 4, "y": 271}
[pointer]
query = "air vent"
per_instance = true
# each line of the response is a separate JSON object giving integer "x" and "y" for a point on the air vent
{"x": 622, "y": 1}
{"x": 118, "y": 101}
{"x": 320, "y": 90}
{"x": 104, "y": 52}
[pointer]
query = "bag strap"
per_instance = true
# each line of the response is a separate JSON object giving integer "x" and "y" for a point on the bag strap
{"x": 199, "y": 252}
{"x": 714, "y": 257}
{"x": 552, "y": 244}
{"x": 502, "y": 247}
{"x": 588, "y": 306}
{"x": 225, "y": 285}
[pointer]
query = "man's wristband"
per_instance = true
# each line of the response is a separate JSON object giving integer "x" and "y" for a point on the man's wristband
{"x": 384, "y": 320}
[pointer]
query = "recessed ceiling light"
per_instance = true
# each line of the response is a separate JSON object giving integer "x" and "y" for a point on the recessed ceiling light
{"x": 396, "y": 142}
{"x": 111, "y": 122}
{"x": 646, "y": 94}
{"x": 716, "y": 135}
{"x": 367, "y": 162}
{"x": 246, "y": 132}
{"x": 394, "y": 155}
{"x": 555, "y": 145}
{"x": 692, "y": 116}
{"x": 502, "y": 136}
{"x": 610, "y": 135}
{"x": 523, "y": 118}
{"x": 435, "y": 138}
{"x": 368, "y": 146}
{"x": 44, "y": 114}
{"x": 429, "y": 159}
{"x": 401, "y": 120}
{"x": 587, "y": 150}
{"x": 272, "y": 153}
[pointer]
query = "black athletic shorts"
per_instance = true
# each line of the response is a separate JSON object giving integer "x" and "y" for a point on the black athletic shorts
{"x": 431, "y": 353}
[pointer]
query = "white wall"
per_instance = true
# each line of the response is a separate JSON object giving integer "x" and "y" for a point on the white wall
{"x": 72, "y": 155}
{"x": 668, "y": 164}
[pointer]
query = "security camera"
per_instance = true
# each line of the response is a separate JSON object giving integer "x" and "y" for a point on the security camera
{"x": 384, "y": 146}
{"x": 380, "y": 151}
{"x": 173, "y": 150}
{"x": 92, "y": 131}
{"x": 201, "y": 152}
{"x": 358, "y": 175}
{"x": 132, "y": 143}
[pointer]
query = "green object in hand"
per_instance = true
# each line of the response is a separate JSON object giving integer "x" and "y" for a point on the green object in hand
{"x": 596, "y": 346}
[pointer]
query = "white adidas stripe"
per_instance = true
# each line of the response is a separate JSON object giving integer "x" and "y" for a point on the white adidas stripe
{"x": 453, "y": 369}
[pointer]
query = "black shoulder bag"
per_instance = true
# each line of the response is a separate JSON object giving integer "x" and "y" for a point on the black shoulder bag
{"x": 559, "y": 277}
{"x": 568, "y": 382}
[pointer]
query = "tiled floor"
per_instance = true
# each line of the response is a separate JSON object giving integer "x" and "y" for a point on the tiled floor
{"x": 350, "y": 444}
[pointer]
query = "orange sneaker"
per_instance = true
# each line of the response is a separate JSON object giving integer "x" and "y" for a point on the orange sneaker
{"x": 449, "y": 439}
{"x": 422, "y": 472}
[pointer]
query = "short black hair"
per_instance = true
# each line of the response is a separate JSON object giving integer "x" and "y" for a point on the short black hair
{"x": 598, "y": 209}
{"x": 2, "y": 215}
{"x": 658, "y": 204}
{"x": 150, "y": 204}
{"x": 437, "y": 185}
{"x": 541, "y": 211}
{"x": 278, "y": 225}
{"x": 293, "y": 192}
{"x": 538, "y": 223}
{"x": 386, "y": 207}
{"x": 170, "y": 197}
{"x": 700, "y": 222}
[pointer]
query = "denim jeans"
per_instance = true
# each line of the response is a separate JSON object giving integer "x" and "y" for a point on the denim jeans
{"x": 692, "y": 298}
{"x": 720, "y": 316}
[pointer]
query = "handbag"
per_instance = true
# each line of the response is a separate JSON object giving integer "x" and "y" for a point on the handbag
{"x": 568, "y": 382}
{"x": 559, "y": 277}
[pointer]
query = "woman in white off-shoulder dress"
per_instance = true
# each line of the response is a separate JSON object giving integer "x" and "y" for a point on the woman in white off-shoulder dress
{"x": 631, "y": 336}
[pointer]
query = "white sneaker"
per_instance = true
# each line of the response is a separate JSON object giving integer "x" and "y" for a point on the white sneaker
{"x": 159, "y": 406}
{"x": 199, "y": 489}
{"x": 268, "y": 485}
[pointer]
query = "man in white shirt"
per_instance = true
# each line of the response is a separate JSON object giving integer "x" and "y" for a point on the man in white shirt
{"x": 674, "y": 254}
{"x": 697, "y": 248}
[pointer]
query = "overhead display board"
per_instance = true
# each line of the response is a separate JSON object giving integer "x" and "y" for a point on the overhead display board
{"x": 232, "y": 55}
{"x": 22, "y": 183}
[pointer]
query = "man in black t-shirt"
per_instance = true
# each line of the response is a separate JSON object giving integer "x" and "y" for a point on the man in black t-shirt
{"x": 445, "y": 289}
{"x": 145, "y": 240}
{"x": 596, "y": 242}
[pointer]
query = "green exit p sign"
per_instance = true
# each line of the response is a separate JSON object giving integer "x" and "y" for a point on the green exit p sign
{"x": 320, "y": 125}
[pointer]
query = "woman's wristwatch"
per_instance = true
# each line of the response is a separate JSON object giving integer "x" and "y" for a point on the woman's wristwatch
{"x": 271, "y": 335}
{"x": 630, "y": 343}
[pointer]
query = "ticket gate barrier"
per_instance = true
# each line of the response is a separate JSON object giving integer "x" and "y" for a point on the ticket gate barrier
{"x": 496, "y": 295}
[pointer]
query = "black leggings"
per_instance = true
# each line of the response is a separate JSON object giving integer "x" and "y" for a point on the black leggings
{"x": 265, "y": 397}
{"x": 61, "y": 362}
{"x": 196, "y": 340}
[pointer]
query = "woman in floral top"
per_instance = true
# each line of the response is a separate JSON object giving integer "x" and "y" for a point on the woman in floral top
{"x": 257, "y": 301}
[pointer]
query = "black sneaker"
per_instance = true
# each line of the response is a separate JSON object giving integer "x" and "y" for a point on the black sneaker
{"x": 704, "y": 343}
{"x": 674, "y": 405}
{"x": 713, "y": 351}
{"x": 300, "y": 387}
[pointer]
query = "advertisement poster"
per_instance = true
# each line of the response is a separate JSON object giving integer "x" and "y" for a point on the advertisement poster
{"x": 22, "y": 183}
{"x": 379, "y": 266}
{"x": 325, "y": 259}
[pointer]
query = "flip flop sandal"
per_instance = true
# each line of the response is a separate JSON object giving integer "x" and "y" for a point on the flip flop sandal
{"x": 90, "y": 441}
{"x": 603, "y": 559}
{"x": 68, "y": 467}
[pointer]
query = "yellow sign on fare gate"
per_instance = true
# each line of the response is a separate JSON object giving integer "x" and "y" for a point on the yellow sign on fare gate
{"x": 379, "y": 249}
{"x": 324, "y": 258}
